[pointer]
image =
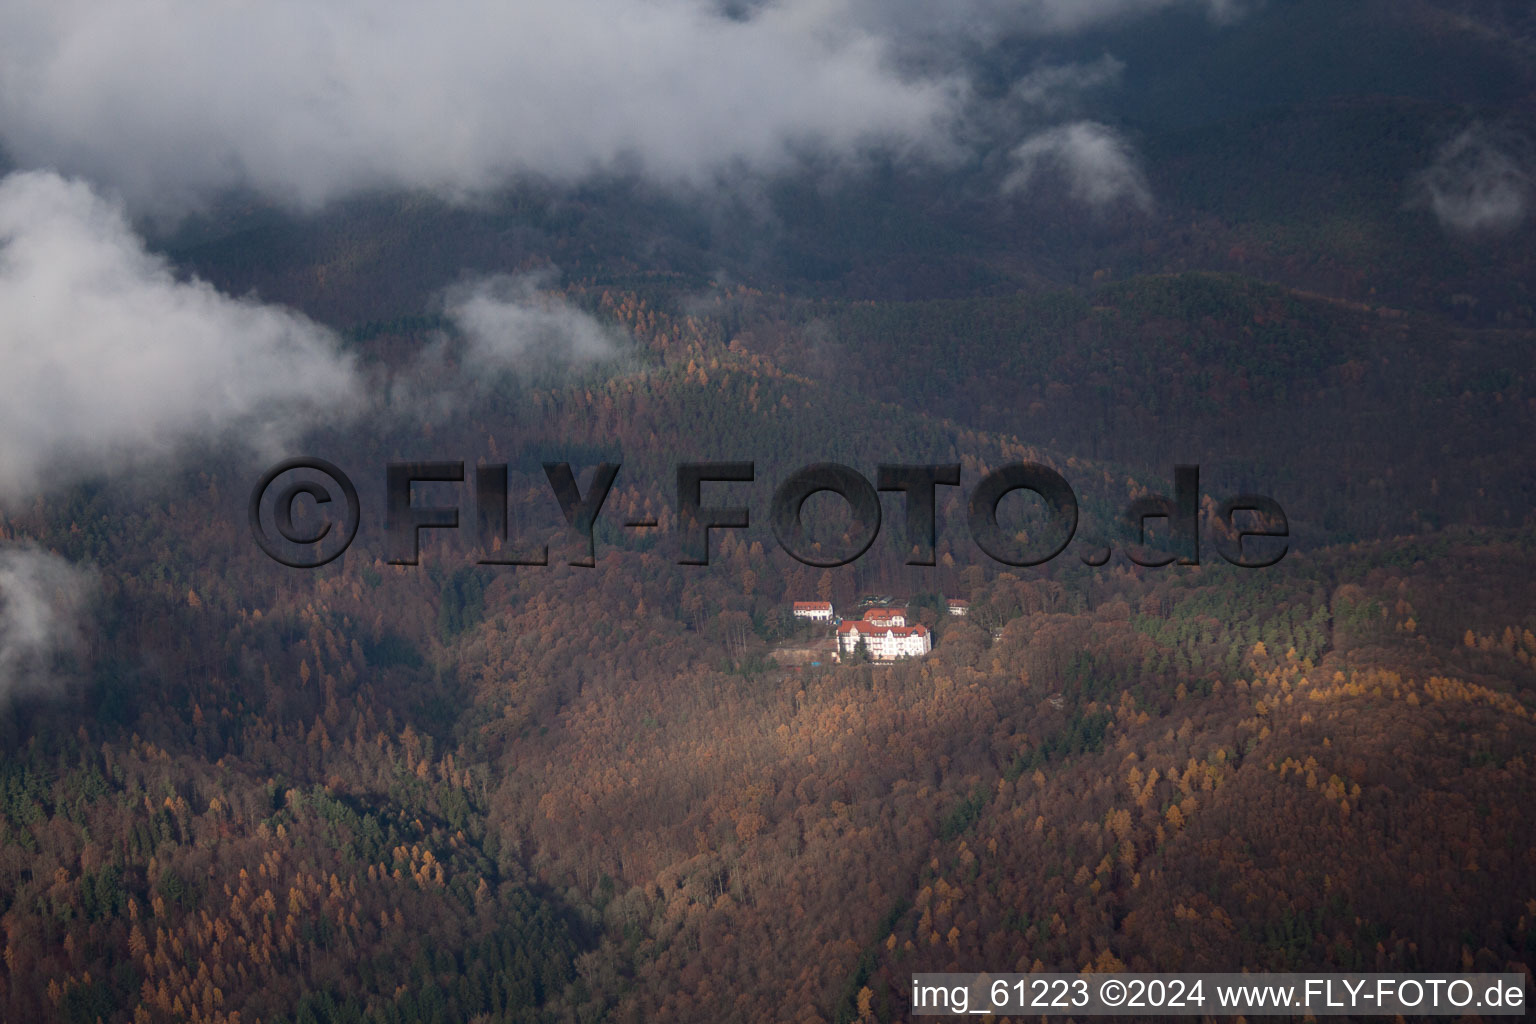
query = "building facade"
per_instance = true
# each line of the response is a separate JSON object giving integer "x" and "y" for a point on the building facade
{"x": 816, "y": 611}
{"x": 885, "y": 616}
{"x": 884, "y": 643}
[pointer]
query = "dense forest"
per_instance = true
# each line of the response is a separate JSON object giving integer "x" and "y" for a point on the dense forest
{"x": 450, "y": 791}
{"x": 377, "y": 793}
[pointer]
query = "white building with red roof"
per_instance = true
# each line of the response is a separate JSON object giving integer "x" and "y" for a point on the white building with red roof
{"x": 958, "y": 606}
{"x": 884, "y": 643}
{"x": 816, "y": 611}
{"x": 886, "y": 616}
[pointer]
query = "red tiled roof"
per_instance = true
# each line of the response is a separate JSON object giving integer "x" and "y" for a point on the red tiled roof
{"x": 860, "y": 626}
{"x": 813, "y": 606}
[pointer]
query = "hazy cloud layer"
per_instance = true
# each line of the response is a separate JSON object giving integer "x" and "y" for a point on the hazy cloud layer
{"x": 170, "y": 101}
{"x": 42, "y": 599}
{"x": 508, "y": 321}
{"x": 987, "y": 20}
{"x": 1482, "y": 182}
{"x": 1051, "y": 87}
{"x": 111, "y": 361}
{"x": 305, "y": 101}
{"x": 1091, "y": 160}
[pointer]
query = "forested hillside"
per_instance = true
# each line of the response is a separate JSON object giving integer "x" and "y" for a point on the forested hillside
{"x": 376, "y": 792}
{"x": 1289, "y": 242}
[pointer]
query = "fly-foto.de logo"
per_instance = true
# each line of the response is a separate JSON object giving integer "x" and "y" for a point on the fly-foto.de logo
{"x": 305, "y": 512}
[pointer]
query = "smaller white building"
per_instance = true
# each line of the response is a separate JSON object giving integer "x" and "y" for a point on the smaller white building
{"x": 885, "y": 616}
{"x": 816, "y": 611}
{"x": 884, "y": 643}
{"x": 959, "y": 606}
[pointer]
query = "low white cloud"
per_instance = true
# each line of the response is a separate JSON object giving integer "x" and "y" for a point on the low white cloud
{"x": 1051, "y": 87}
{"x": 308, "y": 100}
{"x": 42, "y": 600}
{"x": 110, "y": 361}
{"x": 501, "y": 328}
{"x": 169, "y": 102}
{"x": 1096, "y": 166}
{"x": 1481, "y": 183}
{"x": 512, "y": 320}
